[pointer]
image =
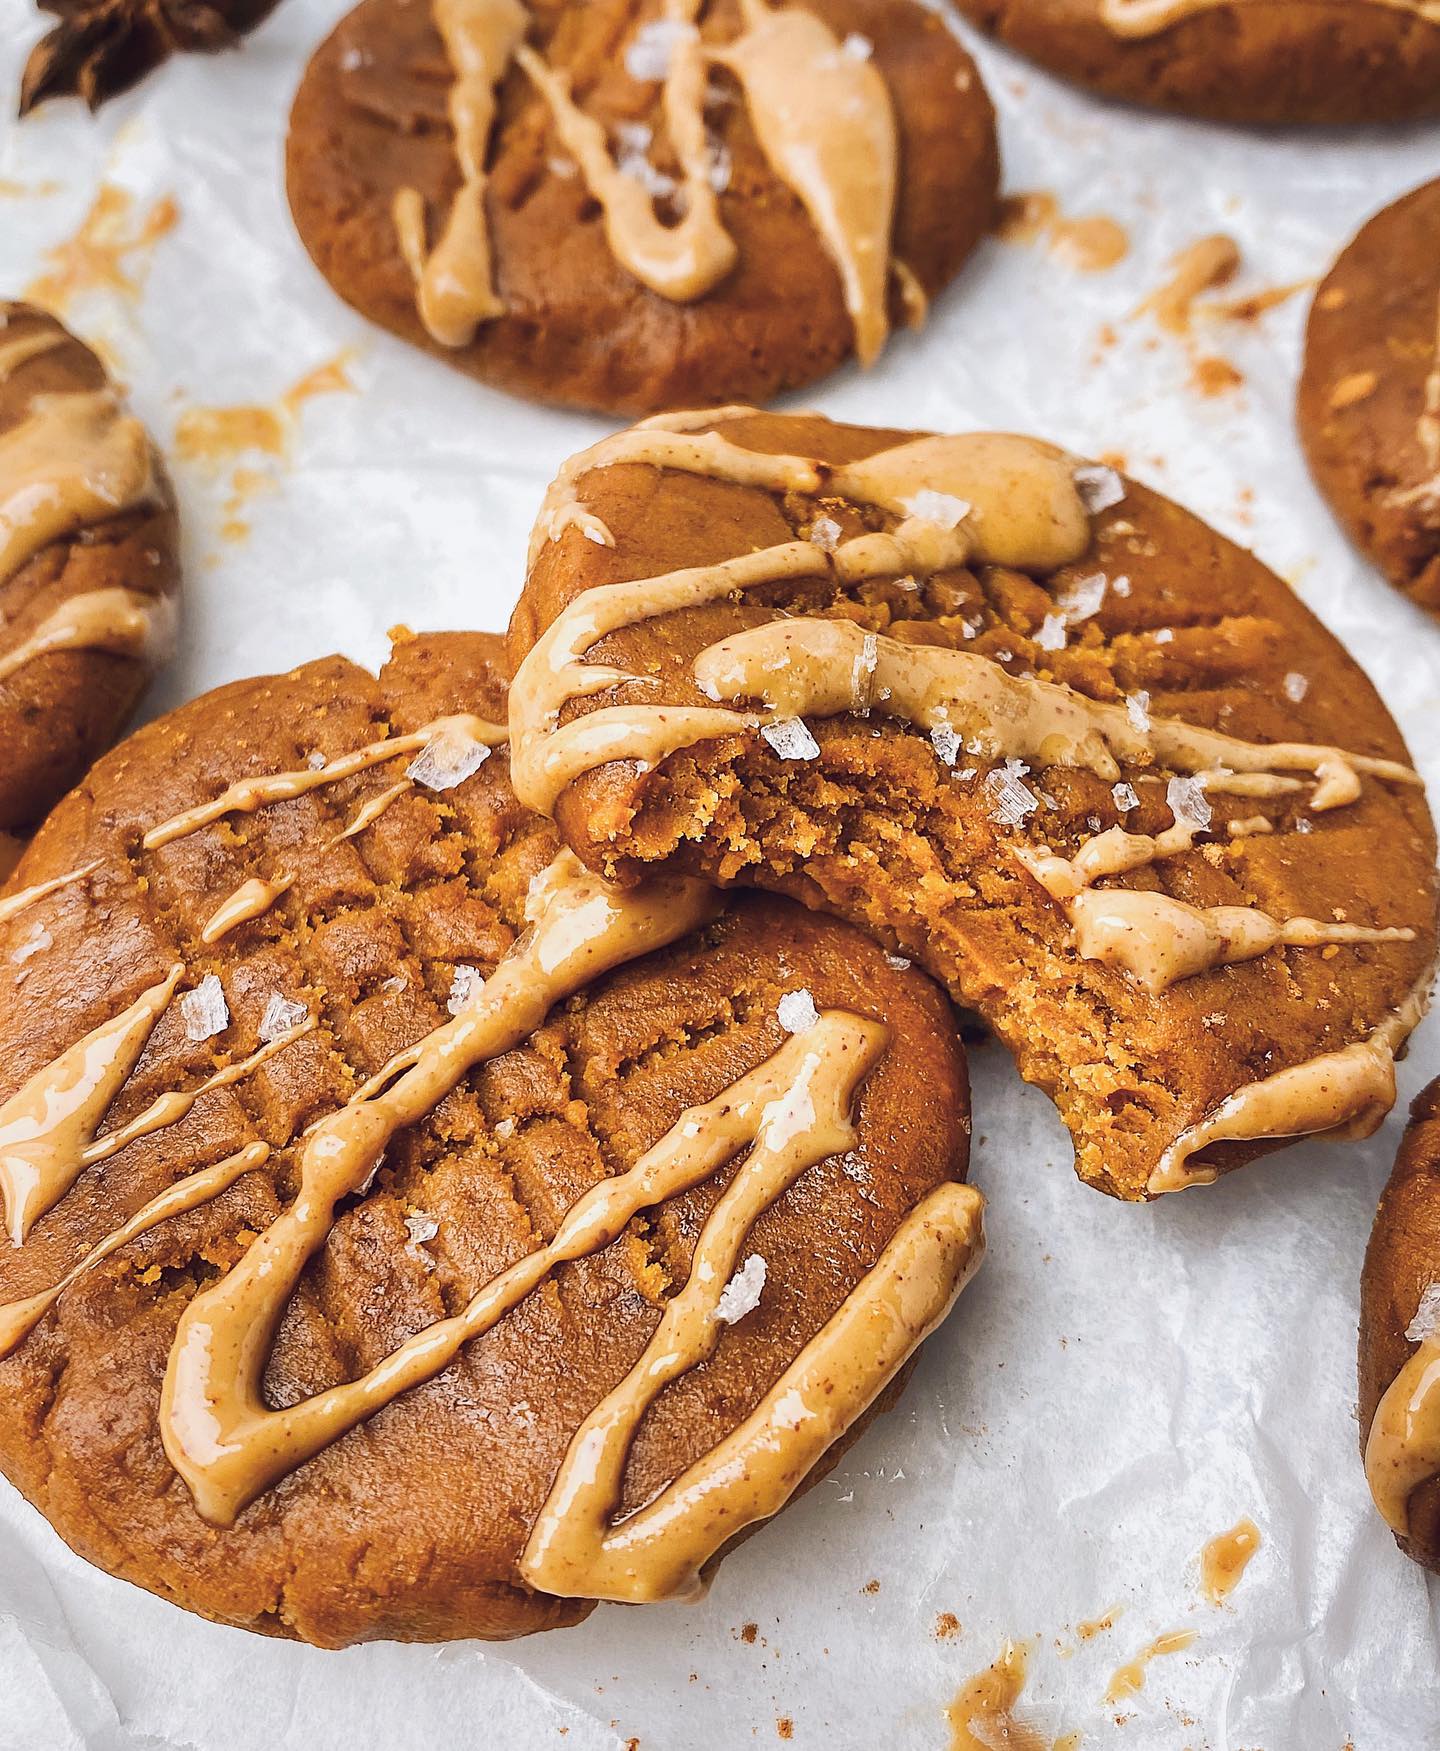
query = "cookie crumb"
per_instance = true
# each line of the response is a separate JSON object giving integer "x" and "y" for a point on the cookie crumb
{"x": 204, "y": 1010}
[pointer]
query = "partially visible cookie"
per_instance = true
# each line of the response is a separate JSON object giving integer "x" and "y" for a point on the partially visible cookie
{"x": 429, "y": 1241}
{"x": 663, "y": 213}
{"x": 1032, "y": 725}
{"x": 89, "y": 563}
{"x": 1400, "y": 1340}
{"x": 1323, "y": 61}
{"x": 1369, "y": 401}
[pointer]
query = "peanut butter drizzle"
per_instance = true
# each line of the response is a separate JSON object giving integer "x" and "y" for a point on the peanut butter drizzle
{"x": 1402, "y": 1450}
{"x": 795, "y": 1109}
{"x": 19, "y": 1318}
{"x": 1208, "y": 262}
{"x": 1159, "y": 940}
{"x": 1341, "y": 1094}
{"x": 682, "y": 261}
{"x": 47, "y": 1125}
{"x": 123, "y": 622}
{"x": 1142, "y": 18}
{"x": 252, "y": 899}
{"x": 370, "y": 811}
{"x": 982, "y": 1714}
{"x": 23, "y": 347}
{"x": 1225, "y": 1558}
{"x": 76, "y": 460}
{"x": 455, "y": 291}
{"x": 13, "y": 904}
{"x": 219, "y": 1433}
{"x": 824, "y": 120}
{"x": 247, "y": 795}
{"x": 1131, "y": 1677}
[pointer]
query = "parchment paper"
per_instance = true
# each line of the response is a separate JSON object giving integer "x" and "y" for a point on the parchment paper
{"x": 1119, "y": 1384}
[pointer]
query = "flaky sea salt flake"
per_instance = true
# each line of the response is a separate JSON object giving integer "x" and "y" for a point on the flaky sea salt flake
{"x": 1426, "y": 1322}
{"x": 1295, "y": 686}
{"x": 796, "y": 1011}
{"x": 420, "y": 1226}
{"x": 448, "y": 759}
{"x": 790, "y": 738}
{"x": 204, "y": 1010}
{"x": 463, "y": 987}
{"x": 1011, "y": 802}
{"x": 35, "y": 943}
{"x": 741, "y": 1295}
{"x": 946, "y": 743}
{"x": 1084, "y": 598}
{"x": 1188, "y": 801}
{"x": 937, "y": 507}
{"x": 898, "y": 962}
{"x": 856, "y": 47}
{"x": 1137, "y": 709}
{"x": 281, "y": 1014}
{"x": 825, "y": 533}
{"x": 1051, "y": 636}
{"x": 651, "y": 49}
{"x": 1099, "y": 487}
{"x": 1126, "y": 797}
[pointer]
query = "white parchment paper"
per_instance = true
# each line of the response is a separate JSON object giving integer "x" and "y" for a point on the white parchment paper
{"x": 1119, "y": 1384}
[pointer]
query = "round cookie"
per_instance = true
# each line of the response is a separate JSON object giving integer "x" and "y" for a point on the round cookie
{"x": 1369, "y": 399}
{"x": 1330, "y": 62}
{"x": 89, "y": 563}
{"x": 338, "y": 987}
{"x": 1399, "y": 1325}
{"x": 1033, "y": 726}
{"x": 754, "y": 297}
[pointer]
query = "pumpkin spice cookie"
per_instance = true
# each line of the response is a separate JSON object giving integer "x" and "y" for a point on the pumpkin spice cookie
{"x": 1400, "y": 1340}
{"x": 1031, "y": 725}
{"x": 89, "y": 563}
{"x": 627, "y": 205}
{"x": 1369, "y": 401}
{"x": 1329, "y": 62}
{"x": 431, "y": 1241}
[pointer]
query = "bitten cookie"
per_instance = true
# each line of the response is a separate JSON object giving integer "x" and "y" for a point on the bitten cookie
{"x": 1400, "y": 1341}
{"x": 411, "y": 1237}
{"x": 89, "y": 563}
{"x": 1032, "y": 725}
{"x": 625, "y": 205}
{"x": 1369, "y": 401}
{"x": 1324, "y": 61}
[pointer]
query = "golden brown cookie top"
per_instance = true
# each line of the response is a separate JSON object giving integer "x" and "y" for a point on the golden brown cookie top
{"x": 1096, "y": 768}
{"x": 628, "y": 206}
{"x": 88, "y": 561}
{"x": 1369, "y": 398}
{"x": 372, "y": 1148}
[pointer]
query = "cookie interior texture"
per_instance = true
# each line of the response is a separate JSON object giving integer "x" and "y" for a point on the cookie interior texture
{"x": 1369, "y": 400}
{"x": 882, "y": 828}
{"x": 63, "y": 707}
{"x": 1329, "y": 62}
{"x": 370, "y": 119}
{"x": 410, "y": 1526}
{"x": 1401, "y": 1262}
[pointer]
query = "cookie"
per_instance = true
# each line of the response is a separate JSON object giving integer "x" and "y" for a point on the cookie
{"x": 89, "y": 563}
{"x": 1329, "y": 62}
{"x": 647, "y": 216}
{"x": 1031, "y": 725}
{"x": 394, "y": 1148}
{"x": 1400, "y": 1340}
{"x": 1369, "y": 400}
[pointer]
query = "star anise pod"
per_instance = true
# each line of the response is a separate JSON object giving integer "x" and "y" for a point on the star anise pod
{"x": 103, "y": 47}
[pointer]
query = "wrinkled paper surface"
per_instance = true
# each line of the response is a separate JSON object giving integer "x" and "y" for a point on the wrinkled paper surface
{"x": 1119, "y": 1384}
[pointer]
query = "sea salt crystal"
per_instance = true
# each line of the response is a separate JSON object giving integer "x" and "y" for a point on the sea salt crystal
{"x": 1427, "y": 1316}
{"x": 796, "y": 1011}
{"x": 1099, "y": 487}
{"x": 1137, "y": 709}
{"x": 857, "y": 47}
{"x": 396, "y": 982}
{"x": 1295, "y": 686}
{"x": 448, "y": 759}
{"x": 564, "y": 168}
{"x": 38, "y": 940}
{"x": 420, "y": 1226}
{"x": 506, "y": 1128}
{"x": 863, "y": 672}
{"x": 1120, "y": 585}
{"x": 1051, "y": 636}
{"x": 1011, "y": 802}
{"x": 899, "y": 962}
{"x": 1303, "y": 825}
{"x": 1084, "y": 597}
{"x": 791, "y": 739}
{"x": 1126, "y": 797}
{"x": 1165, "y": 635}
{"x": 204, "y": 1010}
{"x": 281, "y": 1014}
{"x": 937, "y": 507}
{"x": 315, "y": 760}
{"x": 466, "y": 982}
{"x": 825, "y": 533}
{"x": 1188, "y": 802}
{"x": 653, "y": 46}
{"x": 721, "y": 166}
{"x": 967, "y": 771}
{"x": 632, "y": 159}
{"x": 946, "y": 743}
{"x": 741, "y": 1295}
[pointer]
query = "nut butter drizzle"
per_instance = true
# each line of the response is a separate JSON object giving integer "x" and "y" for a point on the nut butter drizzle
{"x": 1402, "y": 1450}
{"x": 124, "y": 622}
{"x": 252, "y": 899}
{"x": 21, "y": 348}
{"x": 822, "y": 117}
{"x": 13, "y": 904}
{"x": 1142, "y": 18}
{"x": 1015, "y": 503}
